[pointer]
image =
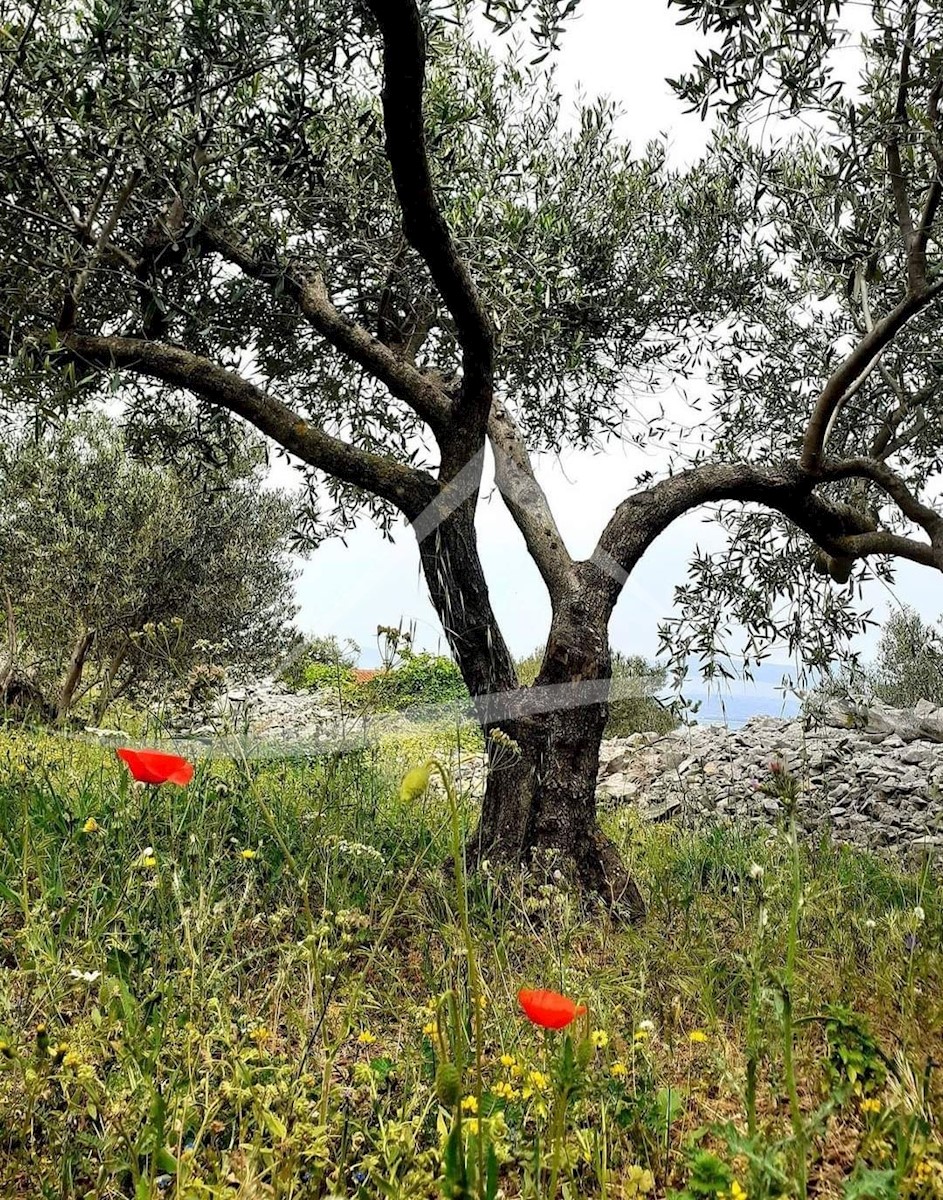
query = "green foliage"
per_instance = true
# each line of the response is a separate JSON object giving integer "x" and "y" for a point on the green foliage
{"x": 909, "y": 664}
{"x": 908, "y": 667}
{"x": 634, "y": 707}
{"x": 123, "y": 574}
{"x": 316, "y": 662}
{"x": 708, "y": 1176}
{"x": 157, "y": 1009}
{"x": 854, "y": 1058}
{"x": 416, "y": 678}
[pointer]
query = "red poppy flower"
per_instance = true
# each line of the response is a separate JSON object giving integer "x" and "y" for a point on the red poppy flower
{"x": 549, "y": 1009}
{"x": 151, "y": 766}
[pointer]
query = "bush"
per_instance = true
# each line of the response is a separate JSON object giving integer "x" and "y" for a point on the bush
{"x": 909, "y": 665}
{"x": 316, "y": 662}
{"x": 635, "y": 708}
{"x": 908, "y": 668}
{"x": 417, "y": 678}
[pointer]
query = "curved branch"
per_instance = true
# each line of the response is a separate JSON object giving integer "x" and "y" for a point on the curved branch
{"x": 405, "y": 487}
{"x": 839, "y": 529}
{"x": 847, "y": 372}
{"x": 527, "y": 503}
{"x": 404, "y": 60}
{"x": 306, "y": 288}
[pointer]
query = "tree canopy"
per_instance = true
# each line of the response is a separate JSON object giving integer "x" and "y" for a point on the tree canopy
{"x": 118, "y": 573}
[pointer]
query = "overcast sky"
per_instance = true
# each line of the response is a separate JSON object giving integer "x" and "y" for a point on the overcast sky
{"x": 624, "y": 51}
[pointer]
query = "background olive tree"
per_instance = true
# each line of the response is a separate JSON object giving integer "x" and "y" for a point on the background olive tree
{"x": 909, "y": 663}
{"x": 120, "y": 573}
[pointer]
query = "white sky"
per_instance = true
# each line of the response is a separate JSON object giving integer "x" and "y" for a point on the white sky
{"x": 623, "y": 50}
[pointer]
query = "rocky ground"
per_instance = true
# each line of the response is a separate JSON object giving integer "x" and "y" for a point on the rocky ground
{"x": 873, "y": 777}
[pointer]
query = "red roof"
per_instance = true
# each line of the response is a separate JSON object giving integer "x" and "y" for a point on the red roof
{"x": 361, "y": 675}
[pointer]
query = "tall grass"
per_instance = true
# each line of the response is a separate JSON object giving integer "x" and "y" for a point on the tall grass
{"x": 236, "y": 989}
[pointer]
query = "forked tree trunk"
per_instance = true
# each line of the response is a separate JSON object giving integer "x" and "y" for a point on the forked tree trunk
{"x": 542, "y": 799}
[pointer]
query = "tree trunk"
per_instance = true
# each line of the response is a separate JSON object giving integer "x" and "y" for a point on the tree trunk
{"x": 73, "y": 676}
{"x": 107, "y": 695}
{"x": 543, "y": 799}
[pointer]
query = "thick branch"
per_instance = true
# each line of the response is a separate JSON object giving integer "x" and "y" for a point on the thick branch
{"x": 408, "y": 489}
{"x": 847, "y": 372}
{"x": 527, "y": 503}
{"x": 421, "y": 392}
{"x": 838, "y": 529}
{"x": 404, "y": 56}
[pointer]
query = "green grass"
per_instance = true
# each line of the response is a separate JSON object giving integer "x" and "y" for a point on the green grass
{"x": 179, "y": 1018}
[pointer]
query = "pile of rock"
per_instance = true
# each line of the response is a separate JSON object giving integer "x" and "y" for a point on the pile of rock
{"x": 873, "y": 777}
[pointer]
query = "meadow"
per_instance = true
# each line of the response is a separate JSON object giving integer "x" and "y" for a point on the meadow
{"x": 272, "y": 983}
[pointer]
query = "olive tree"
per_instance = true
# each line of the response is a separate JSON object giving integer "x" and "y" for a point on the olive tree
{"x": 354, "y": 227}
{"x": 116, "y": 571}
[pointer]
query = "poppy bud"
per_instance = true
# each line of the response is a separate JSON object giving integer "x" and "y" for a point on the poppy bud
{"x": 448, "y": 1084}
{"x": 415, "y": 783}
{"x": 584, "y": 1053}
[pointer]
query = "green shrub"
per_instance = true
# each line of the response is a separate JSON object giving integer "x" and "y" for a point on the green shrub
{"x": 417, "y": 678}
{"x": 909, "y": 665}
{"x": 316, "y": 661}
{"x": 908, "y": 668}
{"x": 635, "y": 708}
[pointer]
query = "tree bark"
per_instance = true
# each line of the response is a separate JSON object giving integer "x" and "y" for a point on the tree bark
{"x": 546, "y": 802}
{"x": 73, "y": 676}
{"x": 541, "y": 800}
{"x": 107, "y": 695}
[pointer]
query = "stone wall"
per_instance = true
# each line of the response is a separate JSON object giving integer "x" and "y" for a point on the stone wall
{"x": 873, "y": 777}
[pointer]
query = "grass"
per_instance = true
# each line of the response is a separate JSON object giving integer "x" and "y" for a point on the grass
{"x": 259, "y": 986}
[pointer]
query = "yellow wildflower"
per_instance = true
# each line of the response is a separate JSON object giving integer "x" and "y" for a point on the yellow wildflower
{"x": 430, "y": 1029}
{"x": 505, "y": 1091}
{"x": 470, "y": 1104}
{"x": 508, "y": 1061}
{"x": 737, "y": 1192}
{"x": 248, "y": 853}
{"x": 641, "y": 1035}
{"x": 91, "y": 826}
{"x": 697, "y": 1035}
{"x": 366, "y": 1038}
{"x": 870, "y": 1104}
{"x": 618, "y": 1070}
{"x": 599, "y": 1038}
{"x": 639, "y": 1181}
{"x": 260, "y": 1035}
